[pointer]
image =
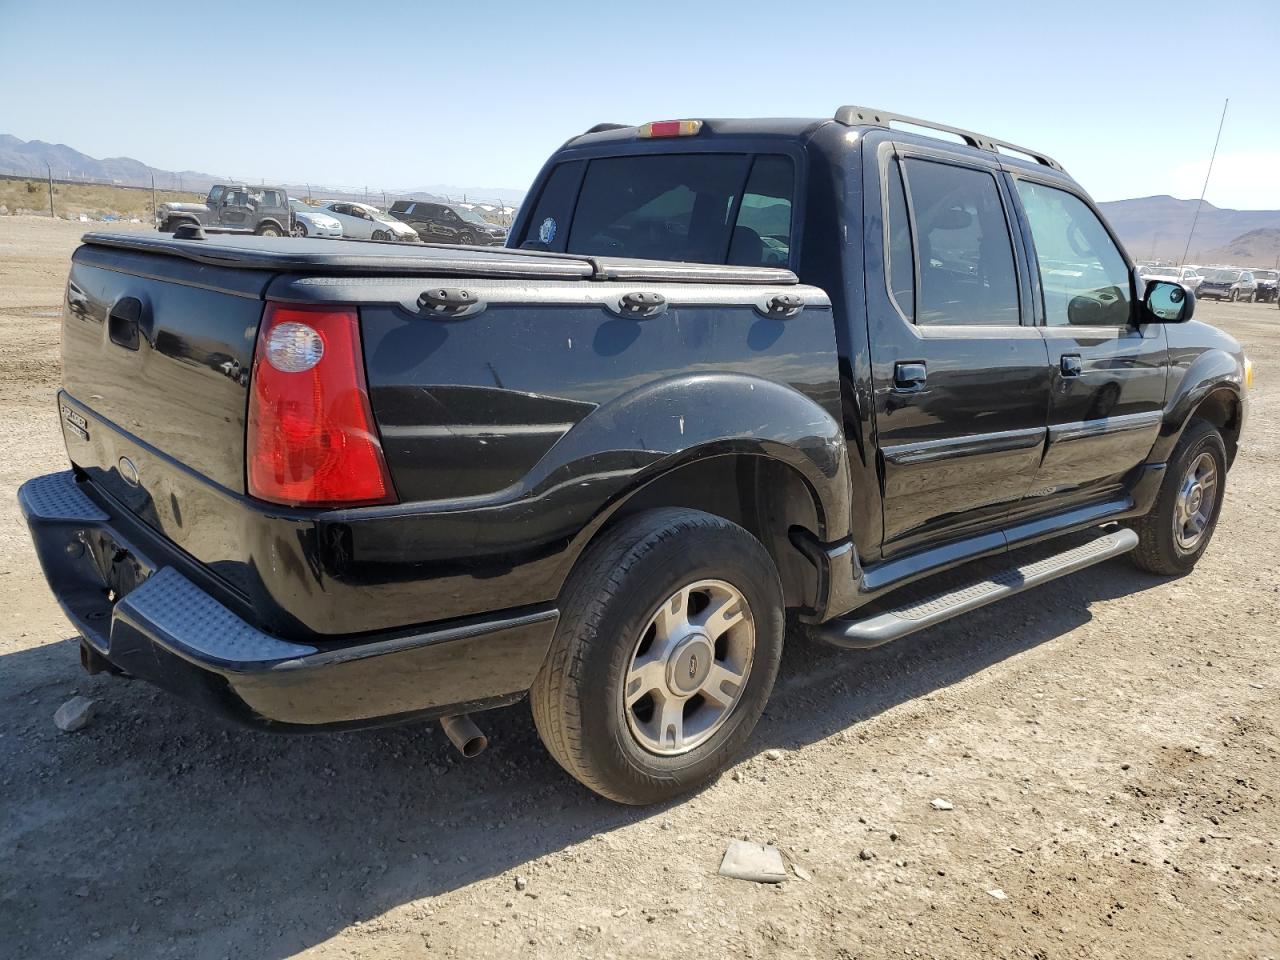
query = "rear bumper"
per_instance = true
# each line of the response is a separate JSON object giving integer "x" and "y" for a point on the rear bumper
{"x": 153, "y": 622}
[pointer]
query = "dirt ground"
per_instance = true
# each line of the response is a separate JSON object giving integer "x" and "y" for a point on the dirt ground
{"x": 1109, "y": 743}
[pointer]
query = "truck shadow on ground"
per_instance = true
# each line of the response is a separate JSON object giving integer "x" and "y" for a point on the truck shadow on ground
{"x": 158, "y": 831}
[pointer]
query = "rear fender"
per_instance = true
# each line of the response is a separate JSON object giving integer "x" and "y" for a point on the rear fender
{"x": 672, "y": 422}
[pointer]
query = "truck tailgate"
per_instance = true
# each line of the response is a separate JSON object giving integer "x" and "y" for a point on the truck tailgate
{"x": 161, "y": 350}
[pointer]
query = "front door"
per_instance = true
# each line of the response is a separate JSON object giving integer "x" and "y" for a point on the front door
{"x": 960, "y": 372}
{"x": 237, "y": 210}
{"x": 1108, "y": 373}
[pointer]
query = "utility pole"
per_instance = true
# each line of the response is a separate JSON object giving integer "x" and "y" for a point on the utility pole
{"x": 308, "y": 191}
{"x": 50, "y": 169}
{"x": 154, "y": 208}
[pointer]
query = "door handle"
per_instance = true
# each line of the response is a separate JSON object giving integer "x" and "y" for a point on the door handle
{"x": 909, "y": 377}
{"x": 1070, "y": 365}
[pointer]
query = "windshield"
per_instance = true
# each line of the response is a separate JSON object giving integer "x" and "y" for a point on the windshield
{"x": 1265, "y": 275}
{"x": 470, "y": 215}
{"x": 1223, "y": 276}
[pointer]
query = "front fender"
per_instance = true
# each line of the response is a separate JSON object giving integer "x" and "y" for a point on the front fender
{"x": 1194, "y": 376}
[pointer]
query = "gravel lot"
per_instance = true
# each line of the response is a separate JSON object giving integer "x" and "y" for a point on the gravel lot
{"x": 1109, "y": 744}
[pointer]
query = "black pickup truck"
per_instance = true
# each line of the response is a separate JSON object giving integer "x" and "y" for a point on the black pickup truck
{"x": 729, "y": 374}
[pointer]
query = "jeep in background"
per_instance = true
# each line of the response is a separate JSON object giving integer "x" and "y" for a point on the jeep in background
{"x": 729, "y": 374}
{"x": 261, "y": 210}
{"x": 447, "y": 223}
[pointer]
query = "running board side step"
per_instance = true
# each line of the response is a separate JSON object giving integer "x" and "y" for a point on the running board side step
{"x": 919, "y": 612}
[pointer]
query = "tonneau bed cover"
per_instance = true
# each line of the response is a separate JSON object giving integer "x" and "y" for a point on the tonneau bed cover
{"x": 377, "y": 257}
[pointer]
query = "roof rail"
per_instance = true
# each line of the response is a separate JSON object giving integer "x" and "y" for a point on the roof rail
{"x": 852, "y": 116}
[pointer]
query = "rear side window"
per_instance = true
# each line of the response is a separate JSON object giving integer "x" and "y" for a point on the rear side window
{"x": 967, "y": 275}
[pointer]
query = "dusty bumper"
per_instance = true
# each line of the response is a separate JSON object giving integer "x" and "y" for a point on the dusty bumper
{"x": 150, "y": 621}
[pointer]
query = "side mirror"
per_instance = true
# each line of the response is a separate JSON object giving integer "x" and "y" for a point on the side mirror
{"x": 1166, "y": 302}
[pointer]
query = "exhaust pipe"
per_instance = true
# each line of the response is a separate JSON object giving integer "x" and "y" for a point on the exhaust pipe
{"x": 464, "y": 735}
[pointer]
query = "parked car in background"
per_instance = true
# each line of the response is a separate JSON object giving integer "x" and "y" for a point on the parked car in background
{"x": 309, "y": 221}
{"x": 448, "y": 223}
{"x": 1267, "y": 281}
{"x": 1227, "y": 283}
{"x": 262, "y": 210}
{"x": 1186, "y": 276}
{"x": 360, "y": 221}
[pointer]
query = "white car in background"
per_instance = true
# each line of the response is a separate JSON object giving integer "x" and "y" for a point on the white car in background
{"x": 1187, "y": 276}
{"x": 360, "y": 221}
{"x": 309, "y": 221}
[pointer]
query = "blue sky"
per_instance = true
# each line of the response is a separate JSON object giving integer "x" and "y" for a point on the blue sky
{"x": 477, "y": 94}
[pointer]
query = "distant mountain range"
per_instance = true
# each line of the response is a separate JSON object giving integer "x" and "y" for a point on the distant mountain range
{"x": 35, "y": 158}
{"x": 1157, "y": 227}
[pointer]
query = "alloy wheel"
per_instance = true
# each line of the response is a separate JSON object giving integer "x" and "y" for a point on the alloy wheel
{"x": 689, "y": 668}
{"x": 1193, "y": 508}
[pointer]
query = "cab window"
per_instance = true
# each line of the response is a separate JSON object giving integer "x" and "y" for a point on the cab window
{"x": 762, "y": 234}
{"x": 1083, "y": 274}
{"x": 692, "y": 207}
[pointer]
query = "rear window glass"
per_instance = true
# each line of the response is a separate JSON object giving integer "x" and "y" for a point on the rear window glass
{"x": 692, "y": 207}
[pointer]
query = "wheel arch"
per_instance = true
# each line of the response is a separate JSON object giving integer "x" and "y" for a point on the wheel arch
{"x": 1211, "y": 389}
{"x": 1223, "y": 408}
{"x": 768, "y": 496}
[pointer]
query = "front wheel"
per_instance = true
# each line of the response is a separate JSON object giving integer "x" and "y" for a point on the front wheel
{"x": 1233, "y": 296}
{"x": 269, "y": 230}
{"x": 1175, "y": 533}
{"x": 466, "y": 238}
{"x": 668, "y": 644}
{"x": 381, "y": 235}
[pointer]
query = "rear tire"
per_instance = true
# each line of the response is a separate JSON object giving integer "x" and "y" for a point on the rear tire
{"x": 299, "y": 229}
{"x": 1168, "y": 541}
{"x": 269, "y": 230}
{"x": 632, "y": 630}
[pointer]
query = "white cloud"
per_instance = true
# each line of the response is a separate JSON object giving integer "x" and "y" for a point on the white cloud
{"x": 1248, "y": 180}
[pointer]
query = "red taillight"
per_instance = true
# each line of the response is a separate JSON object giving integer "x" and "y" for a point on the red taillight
{"x": 311, "y": 436}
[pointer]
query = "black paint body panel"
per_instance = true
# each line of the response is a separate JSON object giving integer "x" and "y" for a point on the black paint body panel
{"x": 516, "y": 431}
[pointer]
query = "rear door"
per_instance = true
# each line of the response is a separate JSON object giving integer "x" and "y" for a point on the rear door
{"x": 1108, "y": 373}
{"x": 960, "y": 373}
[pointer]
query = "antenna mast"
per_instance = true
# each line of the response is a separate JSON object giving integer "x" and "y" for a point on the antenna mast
{"x": 1207, "y": 174}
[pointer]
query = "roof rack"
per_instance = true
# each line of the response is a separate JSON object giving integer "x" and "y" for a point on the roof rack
{"x": 852, "y": 116}
{"x": 602, "y": 127}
